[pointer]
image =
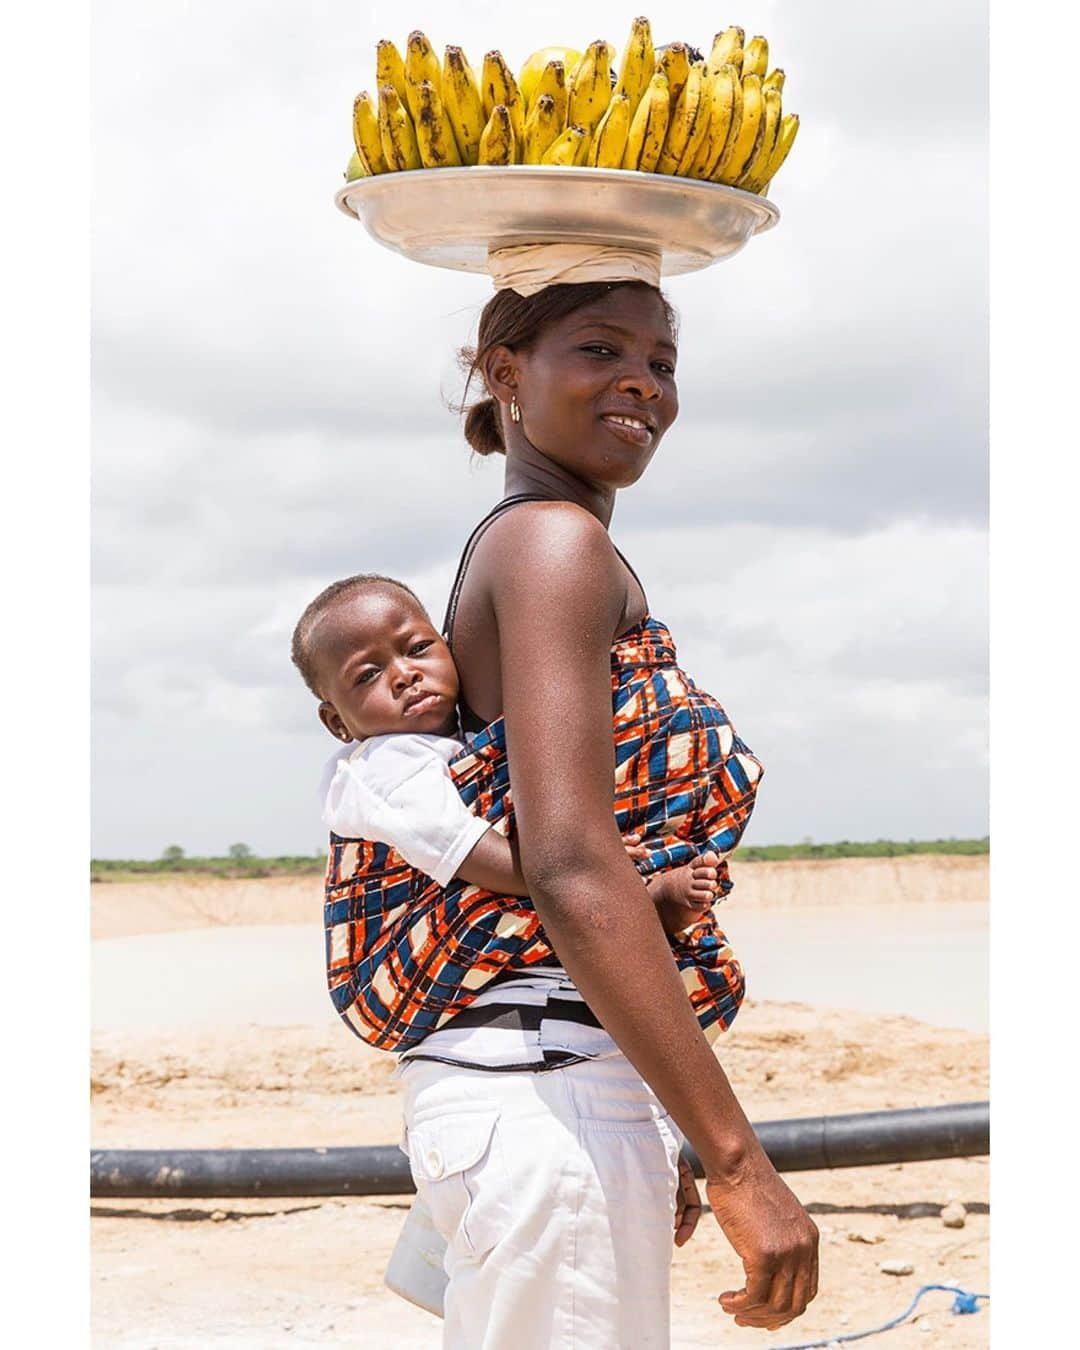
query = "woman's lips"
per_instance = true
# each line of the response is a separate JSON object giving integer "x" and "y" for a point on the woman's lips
{"x": 633, "y": 430}
{"x": 422, "y": 705}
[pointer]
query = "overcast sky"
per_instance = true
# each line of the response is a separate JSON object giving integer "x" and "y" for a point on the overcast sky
{"x": 270, "y": 413}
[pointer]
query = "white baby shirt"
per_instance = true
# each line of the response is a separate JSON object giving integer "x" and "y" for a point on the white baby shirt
{"x": 397, "y": 790}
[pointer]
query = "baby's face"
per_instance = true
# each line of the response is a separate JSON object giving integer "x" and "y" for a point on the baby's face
{"x": 382, "y": 668}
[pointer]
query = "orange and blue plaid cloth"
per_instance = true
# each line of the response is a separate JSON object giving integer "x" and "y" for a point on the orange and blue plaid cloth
{"x": 404, "y": 955}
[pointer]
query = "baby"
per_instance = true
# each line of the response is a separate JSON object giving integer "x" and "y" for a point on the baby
{"x": 387, "y": 688}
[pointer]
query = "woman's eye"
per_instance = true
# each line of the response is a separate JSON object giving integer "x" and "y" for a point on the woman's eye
{"x": 665, "y": 367}
{"x": 599, "y": 347}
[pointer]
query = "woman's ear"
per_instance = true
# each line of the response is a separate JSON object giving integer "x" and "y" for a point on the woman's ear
{"x": 331, "y": 720}
{"x": 500, "y": 370}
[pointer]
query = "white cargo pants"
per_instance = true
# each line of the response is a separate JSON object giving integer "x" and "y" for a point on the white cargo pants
{"x": 555, "y": 1193}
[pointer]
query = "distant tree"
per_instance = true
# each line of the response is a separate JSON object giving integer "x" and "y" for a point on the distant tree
{"x": 239, "y": 852}
{"x": 173, "y": 853}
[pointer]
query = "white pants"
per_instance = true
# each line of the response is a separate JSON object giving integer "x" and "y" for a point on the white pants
{"x": 555, "y": 1193}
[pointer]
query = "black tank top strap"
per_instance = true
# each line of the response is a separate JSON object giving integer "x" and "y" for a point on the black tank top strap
{"x": 466, "y": 557}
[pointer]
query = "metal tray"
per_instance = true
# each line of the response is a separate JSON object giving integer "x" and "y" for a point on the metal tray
{"x": 452, "y": 217}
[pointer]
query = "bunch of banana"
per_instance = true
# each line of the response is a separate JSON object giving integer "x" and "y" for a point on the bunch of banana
{"x": 717, "y": 117}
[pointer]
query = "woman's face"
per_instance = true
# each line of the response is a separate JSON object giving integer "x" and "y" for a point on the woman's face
{"x": 597, "y": 389}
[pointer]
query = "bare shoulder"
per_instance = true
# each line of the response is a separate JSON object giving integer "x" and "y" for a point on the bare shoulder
{"x": 554, "y": 563}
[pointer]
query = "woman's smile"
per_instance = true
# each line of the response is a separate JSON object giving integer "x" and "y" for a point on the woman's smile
{"x": 635, "y": 430}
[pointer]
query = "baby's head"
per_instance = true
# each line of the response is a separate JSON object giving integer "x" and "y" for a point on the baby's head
{"x": 369, "y": 653}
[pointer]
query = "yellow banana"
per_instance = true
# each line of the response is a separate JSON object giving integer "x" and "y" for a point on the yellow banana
{"x": 638, "y": 64}
{"x": 366, "y": 138}
{"x": 737, "y": 154}
{"x": 752, "y": 177}
{"x": 463, "y": 104}
{"x": 421, "y": 64}
{"x": 542, "y": 128}
{"x": 774, "y": 80}
{"x": 396, "y": 131}
{"x": 356, "y": 168}
{"x": 719, "y": 148}
{"x": 789, "y": 129}
{"x": 686, "y": 117}
{"x": 609, "y": 138}
{"x": 552, "y": 81}
{"x": 721, "y": 94}
{"x": 497, "y": 141}
{"x": 756, "y": 57}
{"x": 564, "y": 149}
{"x": 590, "y": 89}
{"x": 697, "y": 141}
{"x": 648, "y": 127}
{"x": 434, "y": 134}
{"x": 674, "y": 62}
{"x": 529, "y": 75}
{"x": 498, "y": 87}
{"x": 724, "y": 47}
{"x": 390, "y": 68}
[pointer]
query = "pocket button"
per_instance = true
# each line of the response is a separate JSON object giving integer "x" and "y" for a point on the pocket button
{"x": 434, "y": 1161}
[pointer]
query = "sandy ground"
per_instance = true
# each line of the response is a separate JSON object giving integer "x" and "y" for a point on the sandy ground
{"x": 275, "y": 1273}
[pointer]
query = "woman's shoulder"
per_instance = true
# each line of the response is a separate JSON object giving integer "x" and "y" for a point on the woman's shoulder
{"x": 552, "y": 531}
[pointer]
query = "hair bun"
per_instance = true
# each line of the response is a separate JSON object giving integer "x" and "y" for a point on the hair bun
{"x": 483, "y": 428}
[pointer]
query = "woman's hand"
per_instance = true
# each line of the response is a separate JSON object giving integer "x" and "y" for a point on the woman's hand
{"x": 687, "y": 1204}
{"x": 776, "y": 1240}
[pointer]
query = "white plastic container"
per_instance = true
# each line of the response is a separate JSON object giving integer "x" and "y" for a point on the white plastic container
{"x": 415, "y": 1270}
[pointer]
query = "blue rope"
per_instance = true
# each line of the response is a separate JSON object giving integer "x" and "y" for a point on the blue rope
{"x": 963, "y": 1303}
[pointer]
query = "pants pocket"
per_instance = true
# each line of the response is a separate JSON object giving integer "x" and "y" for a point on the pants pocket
{"x": 455, "y": 1161}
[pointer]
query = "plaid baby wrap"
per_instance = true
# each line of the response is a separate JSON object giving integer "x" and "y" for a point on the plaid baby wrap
{"x": 404, "y": 955}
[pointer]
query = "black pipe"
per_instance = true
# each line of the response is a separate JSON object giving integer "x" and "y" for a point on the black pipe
{"x": 862, "y": 1140}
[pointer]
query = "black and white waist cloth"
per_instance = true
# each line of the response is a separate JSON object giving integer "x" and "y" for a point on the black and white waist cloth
{"x": 529, "y": 1022}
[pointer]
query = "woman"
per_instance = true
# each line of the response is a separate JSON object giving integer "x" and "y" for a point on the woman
{"x": 555, "y": 1180}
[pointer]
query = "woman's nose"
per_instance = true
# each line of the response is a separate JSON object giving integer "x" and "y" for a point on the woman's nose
{"x": 641, "y": 383}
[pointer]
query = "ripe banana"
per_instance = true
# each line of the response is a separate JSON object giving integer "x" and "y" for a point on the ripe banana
{"x": 648, "y": 127}
{"x": 687, "y": 117}
{"x": 390, "y": 68}
{"x": 720, "y": 147}
{"x": 366, "y": 136}
{"x": 552, "y": 81}
{"x": 542, "y": 128}
{"x": 421, "y": 64}
{"x": 498, "y": 87}
{"x": 463, "y": 104}
{"x": 756, "y": 57}
{"x": 396, "y": 131}
{"x": 724, "y": 47}
{"x": 564, "y": 149}
{"x": 752, "y": 177}
{"x": 774, "y": 80}
{"x": 638, "y": 64}
{"x": 609, "y": 139}
{"x": 721, "y": 88}
{"x": 674, "y": 62}
{"x": 497, "y": 141}
{"x": 789, "y": 129}
{"x": 434, "y": 134}
{"x": 529, "y": 75}
{"x": 590, "y": 90}
{"x": 737, "y": 154}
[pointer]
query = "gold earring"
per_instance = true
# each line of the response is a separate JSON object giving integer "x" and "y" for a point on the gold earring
{"x": 515, "y": 411}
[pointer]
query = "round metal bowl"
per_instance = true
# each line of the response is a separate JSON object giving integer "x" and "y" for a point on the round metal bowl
{"x": 453, "y": 217}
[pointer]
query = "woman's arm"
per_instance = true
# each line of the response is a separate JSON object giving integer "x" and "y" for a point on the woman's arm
{"x": 556, "y": 588}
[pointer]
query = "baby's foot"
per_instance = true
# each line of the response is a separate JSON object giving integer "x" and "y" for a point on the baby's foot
{"x": 685, "y": 894}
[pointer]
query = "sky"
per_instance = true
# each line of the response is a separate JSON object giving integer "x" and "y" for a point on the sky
{"x": 270, "y": 412}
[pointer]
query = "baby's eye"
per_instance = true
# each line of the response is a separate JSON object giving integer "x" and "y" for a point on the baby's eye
{"x": 366, "y": 676}
{"x": 419, "y": 647}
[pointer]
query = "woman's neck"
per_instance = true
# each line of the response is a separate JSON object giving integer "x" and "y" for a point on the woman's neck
{"x": 527, "y": 470}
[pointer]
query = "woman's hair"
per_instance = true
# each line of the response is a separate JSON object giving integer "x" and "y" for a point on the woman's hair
{"x": 516, "y": 321}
